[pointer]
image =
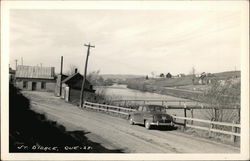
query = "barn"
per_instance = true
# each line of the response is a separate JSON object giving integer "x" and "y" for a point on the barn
{"x": 35, "y": 78}
{"x": 71, "y": 88}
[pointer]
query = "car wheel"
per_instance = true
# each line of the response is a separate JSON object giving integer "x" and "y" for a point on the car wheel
{"x": 131, "y": 121}
{"x": 147, "y": 124}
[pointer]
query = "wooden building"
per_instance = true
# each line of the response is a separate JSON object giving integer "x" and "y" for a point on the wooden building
{"x": 35, "y": 78}
{"x": 71, "y": 88}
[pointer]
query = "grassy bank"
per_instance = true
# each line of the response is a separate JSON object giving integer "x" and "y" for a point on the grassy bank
{"x": 157, "y": 86}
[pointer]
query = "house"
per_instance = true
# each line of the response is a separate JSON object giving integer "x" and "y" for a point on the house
{"x": 180, "y": 75}
{"x": 71, "y": 88}
{"x": 205, "y": 78}
{"x": 35, "y": 78}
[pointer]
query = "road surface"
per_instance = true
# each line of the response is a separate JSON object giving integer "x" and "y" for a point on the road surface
{"x": 116, "y": 133}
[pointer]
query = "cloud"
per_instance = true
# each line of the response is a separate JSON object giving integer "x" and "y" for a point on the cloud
{"x": 128, "y": 41}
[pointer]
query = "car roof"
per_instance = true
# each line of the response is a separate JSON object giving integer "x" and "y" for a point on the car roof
{"x": 151, "y": 105}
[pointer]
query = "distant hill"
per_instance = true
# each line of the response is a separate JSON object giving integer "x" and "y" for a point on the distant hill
{"x": 227, "y": 74}
{"x": 120, "y": 76}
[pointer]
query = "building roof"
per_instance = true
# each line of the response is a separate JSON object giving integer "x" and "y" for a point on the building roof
{"x": 66, "y": 80}
{"x": 35, "y": 72}
{"x": 75, "y": 81}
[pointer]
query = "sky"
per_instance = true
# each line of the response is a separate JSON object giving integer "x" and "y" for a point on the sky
{"x": 127, "y": 41}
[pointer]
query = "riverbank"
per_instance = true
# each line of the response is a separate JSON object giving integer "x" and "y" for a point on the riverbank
{"x": 185, "y": 94}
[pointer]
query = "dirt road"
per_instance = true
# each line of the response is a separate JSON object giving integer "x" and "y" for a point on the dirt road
{"x": 116, "y": 133}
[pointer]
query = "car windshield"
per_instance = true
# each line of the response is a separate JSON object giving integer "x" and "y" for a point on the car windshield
{"x": 157, "y": 108}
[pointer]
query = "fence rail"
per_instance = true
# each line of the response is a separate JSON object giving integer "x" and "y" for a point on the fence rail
{"x": 210, "y": 129}
{"x": 108, "y": 108}
{"x": 180, "y": 103}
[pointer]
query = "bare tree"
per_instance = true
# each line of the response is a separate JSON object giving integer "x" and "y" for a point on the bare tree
{"x": 71, "y": 69}
{"x": 193, "y": 74}
{"x": 153, "y": 74}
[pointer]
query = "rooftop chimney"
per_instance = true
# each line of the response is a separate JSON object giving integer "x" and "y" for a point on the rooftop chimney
{"x": 75, "y": 70}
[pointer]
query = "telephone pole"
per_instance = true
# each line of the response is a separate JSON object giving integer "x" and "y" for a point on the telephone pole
{"x": 85, "y": 73}
{"x": 16, "y": 63}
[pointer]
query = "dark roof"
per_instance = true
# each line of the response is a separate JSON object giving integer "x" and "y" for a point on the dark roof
{"x": 72, "y": 76}
{"x": 69, "y": 77}
{"x": 35, "y": 72}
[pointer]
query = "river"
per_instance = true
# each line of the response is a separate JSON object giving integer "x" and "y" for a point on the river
{"x": 121, "y": 92}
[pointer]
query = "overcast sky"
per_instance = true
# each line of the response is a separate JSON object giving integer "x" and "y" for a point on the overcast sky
{"x": 127, "y": 41}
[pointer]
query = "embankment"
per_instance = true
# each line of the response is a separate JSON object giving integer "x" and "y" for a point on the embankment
{"x": 33, "y": 132}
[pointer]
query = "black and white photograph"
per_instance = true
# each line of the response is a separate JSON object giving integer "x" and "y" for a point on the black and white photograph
{"x": 133, "y": 80}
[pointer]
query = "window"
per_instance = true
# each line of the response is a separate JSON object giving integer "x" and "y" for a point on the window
{"x": 43, "y": 85}
{"x": 25, "y": 84}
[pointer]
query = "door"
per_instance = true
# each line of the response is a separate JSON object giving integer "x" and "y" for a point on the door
{"x": 138, "y": 115}
{"x": 33, "y": 88}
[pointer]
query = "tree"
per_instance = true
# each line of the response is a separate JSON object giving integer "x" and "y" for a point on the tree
{"x": 146, "y": 76}
{"x": 72, "y": 69}
{"x": 193, "y": 74}
{"x": 220, "y": 95}
{"x": 168, "y": 75}
{"x": 153, "y": 74}
{"x": 162, "y": 75}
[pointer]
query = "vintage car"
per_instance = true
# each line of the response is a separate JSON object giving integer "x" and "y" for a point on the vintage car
{"x": 149, "y": 115}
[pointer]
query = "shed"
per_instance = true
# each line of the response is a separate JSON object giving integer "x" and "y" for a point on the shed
{"x": 71, "y": 88}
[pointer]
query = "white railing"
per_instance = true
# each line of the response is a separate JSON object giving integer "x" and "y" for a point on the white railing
{"x": 126, "y": 111}
{"x": 108, "y": 108}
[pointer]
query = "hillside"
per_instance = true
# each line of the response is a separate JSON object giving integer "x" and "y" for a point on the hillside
{"x": 227, "y": 75}
{"x": 120, "y": 76}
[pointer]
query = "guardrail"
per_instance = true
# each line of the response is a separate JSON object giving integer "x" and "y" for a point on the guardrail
{"x": 126, "y": 111}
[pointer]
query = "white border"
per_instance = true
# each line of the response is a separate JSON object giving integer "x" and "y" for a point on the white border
{"x": 243, "y": 6}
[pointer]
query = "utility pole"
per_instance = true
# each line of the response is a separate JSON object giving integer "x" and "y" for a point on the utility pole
{"x": 22, "y": 60}
{"x": 85, "y": 73}
{"x": 16, "y": 63}
{"x": 61, "y": 71}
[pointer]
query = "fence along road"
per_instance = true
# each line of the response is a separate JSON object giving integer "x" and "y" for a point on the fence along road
{"x": 116, "y": 133}
{"x": 126, "y": 111}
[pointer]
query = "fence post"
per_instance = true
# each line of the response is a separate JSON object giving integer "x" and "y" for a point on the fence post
{"x": 185, "y": 115}
{"x": 233, "y": 137}
{"x": 211, "y": 126}
{"x": 83, "y": 105}
{"x": 239, "y": 114}
{"x": 192, "y": 116}
{"x": 215, "y": 114}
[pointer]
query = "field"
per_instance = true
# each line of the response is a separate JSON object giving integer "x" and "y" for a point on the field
{"x": 180, "y": 87}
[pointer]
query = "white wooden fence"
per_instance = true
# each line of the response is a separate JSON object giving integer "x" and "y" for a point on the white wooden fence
{"x": 126, "y": 111}
{"x": 108, "y": 108}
